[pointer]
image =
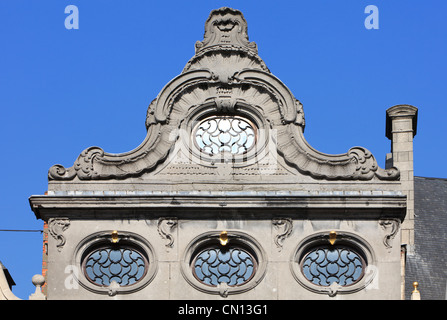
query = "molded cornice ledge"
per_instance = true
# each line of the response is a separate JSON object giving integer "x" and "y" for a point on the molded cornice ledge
{"x": 346, "y": 206}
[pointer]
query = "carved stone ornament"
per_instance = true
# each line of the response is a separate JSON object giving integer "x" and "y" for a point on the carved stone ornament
{"x": 165, "y": 227}
{"x": 234, "y": 238}
{"x": 391, "y": 227}
{"x": 322, "y": 239}
{"x": 284, "y": 227}
{"x": 56, "y": 227}
{"x": 226, "y": 26}
{"x": 226, "y": 75}
{"x": 125, "y": 280}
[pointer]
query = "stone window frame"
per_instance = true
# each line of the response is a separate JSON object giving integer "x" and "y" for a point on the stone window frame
{"x": 211, "y": 239}
{"x": 238, "y": 109}
{"x": 224, "y": 116}
{"x": 344, "y": 247}
{"x": 238, "y": 246}
{"x": 121, "y": 247}
{"x": 348, "y": 239}
{"x": 101, "y": 239}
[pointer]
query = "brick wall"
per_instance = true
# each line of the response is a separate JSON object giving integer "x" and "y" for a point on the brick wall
{"x": 45, "y": 256}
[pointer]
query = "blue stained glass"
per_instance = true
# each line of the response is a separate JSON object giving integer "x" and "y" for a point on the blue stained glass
{"x": 233, "y": 266}
{"x": 123, "y": 265}
{"x": 326, "y": 265}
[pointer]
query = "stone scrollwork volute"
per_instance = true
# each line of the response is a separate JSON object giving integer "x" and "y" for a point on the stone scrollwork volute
{"x": 365, "y": 163}
{"x": 56, "y": 227}
{"x": 59, "y": 172}
{"x": 357, "y": 164}
{"x": 165, "y": 228}
{"x": 284, "y": 227}
{"x": 366, "y": 166}
{"x": 83, "y": 166}
{"x": 391, "y": 227}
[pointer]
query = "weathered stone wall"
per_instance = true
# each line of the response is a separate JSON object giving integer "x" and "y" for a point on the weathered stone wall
{"x": 279, "y": 243}
{"x": 189, "y": 183}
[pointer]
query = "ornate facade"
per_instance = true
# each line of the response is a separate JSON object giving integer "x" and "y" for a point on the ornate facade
{"x": 225, "y": 199}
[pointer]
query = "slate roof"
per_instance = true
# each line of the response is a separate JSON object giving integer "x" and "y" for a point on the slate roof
{"x": 428, "y": 264}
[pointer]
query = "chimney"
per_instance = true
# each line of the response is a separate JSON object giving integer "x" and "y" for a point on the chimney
{"x": 401, "y": 124}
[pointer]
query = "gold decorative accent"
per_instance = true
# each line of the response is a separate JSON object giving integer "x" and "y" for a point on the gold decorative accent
{"x": 115, "y": 238}
{"x": 223, "y": 238}
{"x": 415, "y": 286}
{"x": 332, "y": 237}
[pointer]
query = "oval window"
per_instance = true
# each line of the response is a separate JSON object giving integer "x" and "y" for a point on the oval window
{"x": 234, "y": 266}
{"x": 325, "y": 265}
{"x": 124, "y": 264}
{"x": 225, "y": 134}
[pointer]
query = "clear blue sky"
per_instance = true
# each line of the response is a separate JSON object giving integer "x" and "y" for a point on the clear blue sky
{"x": 62, "y": 91}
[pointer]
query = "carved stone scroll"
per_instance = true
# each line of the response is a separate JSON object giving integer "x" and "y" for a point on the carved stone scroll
{"x": 165, "y": 228}
{"x": 225, "y": 72}
{"x": 56, "y": 227}
{"x": 284, "y": 227}
{"x": 391, "y": 228}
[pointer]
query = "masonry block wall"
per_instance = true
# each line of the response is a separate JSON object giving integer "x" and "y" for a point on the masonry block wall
{"x": 401, "y": 129}
{"x": 225, "y": 198}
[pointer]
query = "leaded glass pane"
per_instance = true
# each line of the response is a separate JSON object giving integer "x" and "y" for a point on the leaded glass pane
{"x": 326, "y": 265}
{"x": 234, "y": 266}
{"x": 219, "y": 134}
{"x": 124, "y": 265}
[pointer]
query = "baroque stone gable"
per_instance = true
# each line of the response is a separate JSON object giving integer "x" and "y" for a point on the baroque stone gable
{"x": 225, "y": 78}
{"x": 225, "y": 198}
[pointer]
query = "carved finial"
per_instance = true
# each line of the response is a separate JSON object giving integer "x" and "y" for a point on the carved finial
{"x": 38, "y": 280}
{"x": 415, "y": 295}
{"x": 226, "y": 27}
{"x": 415, "y": 286}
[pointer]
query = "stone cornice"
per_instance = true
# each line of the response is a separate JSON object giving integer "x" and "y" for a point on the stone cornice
{"x": 354, "y": 207}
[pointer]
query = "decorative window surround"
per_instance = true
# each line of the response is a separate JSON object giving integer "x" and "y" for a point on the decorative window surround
{"x": 323, "y": 239}
{"x": 106, "y": 239}
{"x": 236, "y": 239}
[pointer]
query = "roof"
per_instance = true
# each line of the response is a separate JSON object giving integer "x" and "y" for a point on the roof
{"x": 428, "y": 264}
{"x": 7, "y": 275}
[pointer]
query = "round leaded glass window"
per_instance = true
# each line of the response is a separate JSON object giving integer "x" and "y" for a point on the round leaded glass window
{"x": 328, "y": 264}
{"x": 126, "y": 265}
{"x": 225, "y": 134}
{"x": 234, "y": 266}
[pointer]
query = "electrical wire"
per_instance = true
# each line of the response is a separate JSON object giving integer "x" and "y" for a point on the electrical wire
{"x": 12, "y": 230}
